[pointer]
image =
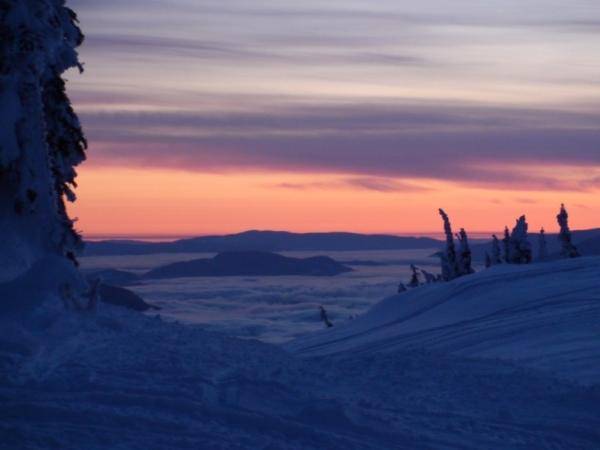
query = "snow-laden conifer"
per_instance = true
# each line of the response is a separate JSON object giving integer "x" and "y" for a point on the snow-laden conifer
{"x": 455, "y": 264}
{"x": 429, "y": 277}
{"x": 568, "y": 250}
{"x": 464, "y": 259}
{"x": 414, "y": 279}
{"x": 506, "y": 245}
{"x": 40, "y": 137}
{"x": 519, "y": 246}
{"x": 448, "y": 256}
{"x": 488, "y": 260}
{"x": 324, "y": 317}
{"x": 542, "y": 246}
{"x": 496, "y": 256}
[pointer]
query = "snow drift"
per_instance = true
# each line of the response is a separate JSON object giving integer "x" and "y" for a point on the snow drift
{"x": 395, "y": 378}
{"x": 542, "y": 315}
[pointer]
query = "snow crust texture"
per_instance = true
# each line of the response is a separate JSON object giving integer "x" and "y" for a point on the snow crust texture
{"x": 544, "y": 316}
{"x": 403, "y": 376}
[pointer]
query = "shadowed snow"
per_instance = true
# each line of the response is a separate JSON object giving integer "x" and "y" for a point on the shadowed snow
{"x": 542, "y": 315}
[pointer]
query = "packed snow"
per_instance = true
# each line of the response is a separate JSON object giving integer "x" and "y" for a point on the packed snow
{"x": 544, "y": 315}
{"x": 506, "y": 358}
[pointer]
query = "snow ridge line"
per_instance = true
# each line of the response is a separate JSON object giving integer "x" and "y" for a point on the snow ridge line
{"x": 456, "y": 288}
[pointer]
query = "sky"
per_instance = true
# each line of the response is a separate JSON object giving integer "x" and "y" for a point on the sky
{"x": 220, "y": 116}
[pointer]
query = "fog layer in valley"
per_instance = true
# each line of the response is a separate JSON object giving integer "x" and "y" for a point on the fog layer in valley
{"x": 272, "y": 309}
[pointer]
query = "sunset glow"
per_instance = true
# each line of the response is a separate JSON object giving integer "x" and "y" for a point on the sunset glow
{"x": 179, "y": 203}
{"x": 353, "y": 116}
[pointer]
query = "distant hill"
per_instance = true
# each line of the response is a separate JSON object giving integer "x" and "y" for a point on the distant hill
{"x": 587, "y": 241}
{"x": 266, "y": 241}
{"x": 113, "y": 277}
{"x": 113, "y": 292}
{"x": 249, "y": 264}
{"x": 119, "y": 296}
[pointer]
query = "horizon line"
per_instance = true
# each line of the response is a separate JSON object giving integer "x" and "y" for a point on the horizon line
{"x": 165, "y": 237}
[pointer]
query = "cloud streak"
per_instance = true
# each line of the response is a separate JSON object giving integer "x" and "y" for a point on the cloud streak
{"x": 453, "y": 142}
{"x": 376, "y": 184}
{"x": 206, "y": 50}
{"x": 375, "y": 94}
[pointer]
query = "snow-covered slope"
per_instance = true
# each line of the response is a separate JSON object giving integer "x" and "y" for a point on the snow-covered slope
{"x": 545, "y": 316}
{"x": 117, "y": 379}
{"x": 42, "y": 283}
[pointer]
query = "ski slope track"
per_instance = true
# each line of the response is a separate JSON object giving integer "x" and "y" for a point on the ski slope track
{"x": 545, "y": 316}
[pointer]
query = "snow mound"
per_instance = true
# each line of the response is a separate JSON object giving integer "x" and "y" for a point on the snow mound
{"x": 41, "y": 283}
{"x": 120, "y": 379}
{"x": 116, "y": 379}
{"x": 545, "y": 316}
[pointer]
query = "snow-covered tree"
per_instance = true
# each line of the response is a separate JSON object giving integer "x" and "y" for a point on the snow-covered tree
{"x": 324, "y": 317}
{"x": 568, "y": 250}
{"x": 506, "y": 245}
{"x": 519, "y": 246}
{"x": 464, "y": 254}
{"x": 496, "y": 256}
{"x": 414, "y": 279}
{"x": 542, "y": 246}
{"x": 429, "y": 277}
{"x": 448, "y": 256}
{"x": 455, "y": 265}
{"x": 40, "y": 136}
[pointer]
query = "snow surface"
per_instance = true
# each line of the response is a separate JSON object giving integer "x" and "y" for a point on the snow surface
{"x": 41, "y": 283}
{"x": 543, "y": 315}
{"x": 120, "y": 380}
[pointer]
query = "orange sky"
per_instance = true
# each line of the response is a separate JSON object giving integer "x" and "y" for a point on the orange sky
{"x": 344, "y": 115}
{"x": 171, "y": 202}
